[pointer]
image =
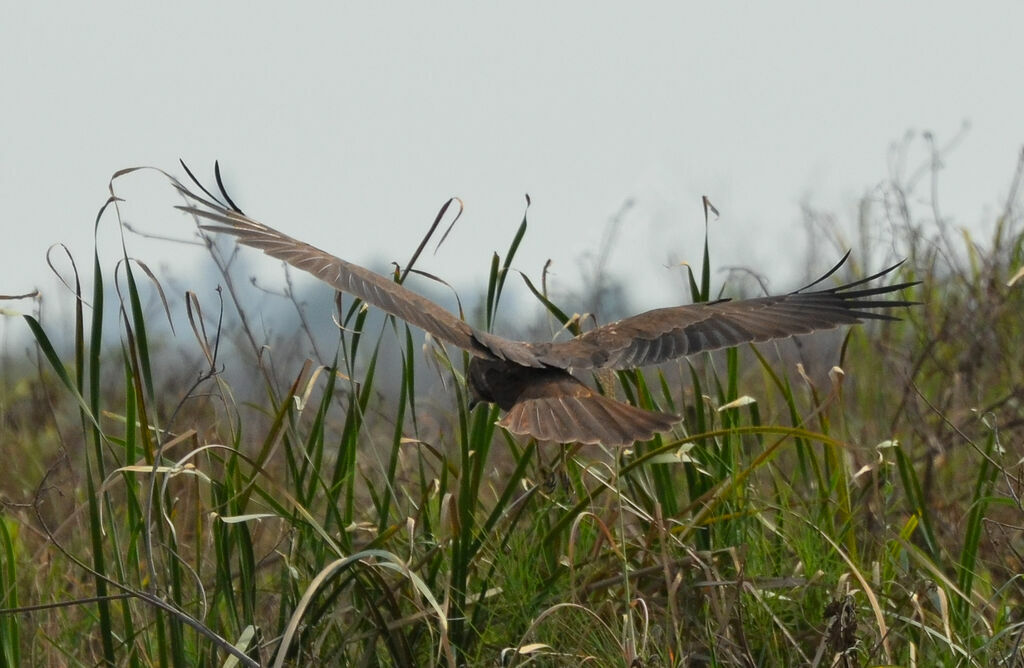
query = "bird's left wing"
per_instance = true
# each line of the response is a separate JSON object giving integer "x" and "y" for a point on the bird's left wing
{"x": 353, "y": 279}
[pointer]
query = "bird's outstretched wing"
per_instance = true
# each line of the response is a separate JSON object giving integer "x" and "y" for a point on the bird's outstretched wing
{"x": 667, "y": 333}
{"x": 353, "y": 279}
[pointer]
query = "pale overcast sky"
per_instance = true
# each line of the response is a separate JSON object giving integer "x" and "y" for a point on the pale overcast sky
{"x": 349, "y": 124}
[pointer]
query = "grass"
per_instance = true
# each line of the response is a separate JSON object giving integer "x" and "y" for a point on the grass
{"x": 869, "y": 517}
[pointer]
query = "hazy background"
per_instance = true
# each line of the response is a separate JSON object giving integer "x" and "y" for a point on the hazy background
{"x": 348, "y": 125}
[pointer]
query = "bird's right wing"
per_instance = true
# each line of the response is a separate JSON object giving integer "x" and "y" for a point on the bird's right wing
{"x": 668, "y": 333}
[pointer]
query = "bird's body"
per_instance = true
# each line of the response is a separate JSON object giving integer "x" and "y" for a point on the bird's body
{"x": 531, "y": 380}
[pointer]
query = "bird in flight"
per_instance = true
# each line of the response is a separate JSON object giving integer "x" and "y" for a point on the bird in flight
{"x": 532, "y": 381}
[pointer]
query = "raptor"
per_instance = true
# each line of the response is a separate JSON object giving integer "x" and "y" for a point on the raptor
{"x": 533, "y": 381}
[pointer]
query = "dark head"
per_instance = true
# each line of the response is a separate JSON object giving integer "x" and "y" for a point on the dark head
{"x": 494, "y": 381}
{"x": 476, "y": 379}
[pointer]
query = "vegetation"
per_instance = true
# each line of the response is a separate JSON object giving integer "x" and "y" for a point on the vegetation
{"x": 867, "y": 516}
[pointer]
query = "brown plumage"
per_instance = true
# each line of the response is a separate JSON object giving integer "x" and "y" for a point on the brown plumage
{"x": 531, "y": 380}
